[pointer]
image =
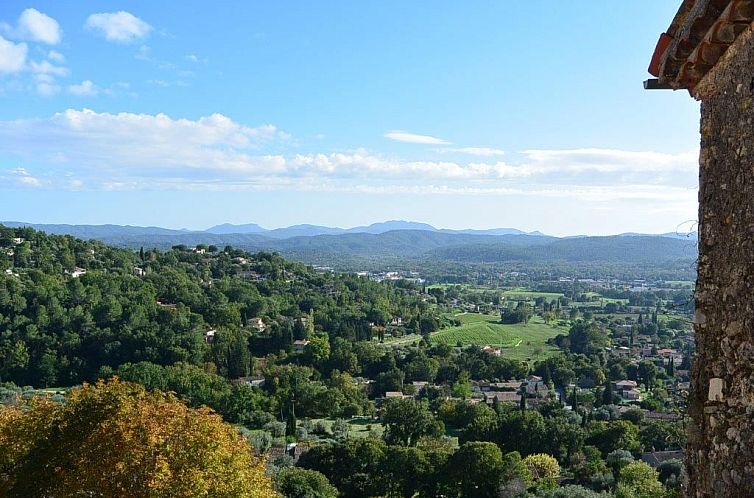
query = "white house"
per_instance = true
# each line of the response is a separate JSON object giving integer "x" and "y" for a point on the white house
{"x": 257, "y": 323}
{"x": 76, "y": 272}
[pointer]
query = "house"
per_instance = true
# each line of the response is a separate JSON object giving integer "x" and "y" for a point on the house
{"x": 167, "y": 305}
{"x": 18, "y": 240}
{"x": 396, "y": 321}
{"x": 708, "y": 50}
{"x": 655, "y": 458}
{"x": 250, "y": 381}
{"x": 257, "y": 323}
{"x": 139, "y": 272}
{"x": 76, "y": 272}
{"x": 300, "y": 344}
{"x": 396, "y": 395}
{"x": 623, "y": 385}
{"x": 494, "y": 351}
{"x": 209, "y": 335}
{"x": 509, "y": 385}
{"x": 503, "y": 397}
{"x": 535, "y": 386}
{"x": 631, "y": 394}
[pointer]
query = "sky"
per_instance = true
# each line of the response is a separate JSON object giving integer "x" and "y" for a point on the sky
{"x": 460, "y": 114}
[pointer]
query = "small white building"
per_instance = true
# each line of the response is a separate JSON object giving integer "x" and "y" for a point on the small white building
{"x": 76, "y": 272}
{"x": 139, "y": 272}
{"x": 300, "y": 344}
{"x": 209, "y": 335}
{"x": 257, "y": 323}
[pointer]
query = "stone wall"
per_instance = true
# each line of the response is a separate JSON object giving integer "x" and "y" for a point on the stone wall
{"x": 720, "y": 451}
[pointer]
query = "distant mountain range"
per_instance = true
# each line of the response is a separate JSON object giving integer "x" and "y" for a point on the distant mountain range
{"x": 397, "y": 241}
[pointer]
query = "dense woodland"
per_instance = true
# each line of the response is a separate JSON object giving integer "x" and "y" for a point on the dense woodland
{"x": 277, "y": 348}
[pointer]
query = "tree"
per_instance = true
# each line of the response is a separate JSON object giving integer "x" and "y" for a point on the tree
{"x": 477, "y": 467}
{"x": 317, "y": 352}
{"x": 406, "y": 420}
{"x": 587, "y": 337}
{"x": 638, "y": 480}
{"x": 544, "y": 470}
{"x": 295, "y": 482}
{"x": 116, "y": 439}
{"x": 462, "y": 386}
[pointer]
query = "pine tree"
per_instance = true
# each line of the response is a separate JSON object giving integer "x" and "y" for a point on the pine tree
{"x": 607, "y": 394}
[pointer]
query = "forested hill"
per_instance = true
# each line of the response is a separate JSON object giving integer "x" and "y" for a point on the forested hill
{"x": 72, "y": 310}
{"x": 354, "y": 250}
{"x": 625, "y": 249}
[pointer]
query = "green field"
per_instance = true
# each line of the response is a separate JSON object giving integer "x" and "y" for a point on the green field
{"x": 520, "y": 341}
{"x": 527, "y": 294}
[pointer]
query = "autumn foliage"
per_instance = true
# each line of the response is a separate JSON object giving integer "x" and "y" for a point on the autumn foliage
{"x": 117, "y": 439}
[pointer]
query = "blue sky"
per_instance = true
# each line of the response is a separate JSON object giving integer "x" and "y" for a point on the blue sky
{"x": 460, "y": 114}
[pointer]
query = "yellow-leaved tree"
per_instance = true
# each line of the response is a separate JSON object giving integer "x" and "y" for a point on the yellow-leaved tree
{"x": 117, "y": 439}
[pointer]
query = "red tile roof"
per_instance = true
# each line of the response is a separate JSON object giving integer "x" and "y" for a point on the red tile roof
{"x": 698, "y": 36}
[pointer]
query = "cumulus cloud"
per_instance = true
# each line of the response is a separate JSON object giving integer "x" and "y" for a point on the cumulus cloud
{"x": 121, "y": 26}
{"x": 23, "y": 178}
{"x": 12, "y": 56}
{"x": 36, "y": 26}
{"x": 413, "y": 138}
{"x": 56, "y": 56}
{"x": 610, "y": 160}
{"x": 473, "y": 151}
{"x": 84, "y": 89}
{"x": 46, "y": 68}
{"x": 138, "y": 151}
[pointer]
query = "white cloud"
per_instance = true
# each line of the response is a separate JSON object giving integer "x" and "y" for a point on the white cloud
{"x": 413, "y": 138}
{"x": 122, "y": 27}
{"x": 36, "y": 26}
{"x": 611, "y": 160}
{"x": 23, "y": 178}
{"x": 145, "y": 151}
{"x": 473, "y": 151}
{"x": 56, "y": 56}
{"x": 84, "y": 89}
{"x": 195, "y": 58}
{"x": 12, "y": 56}
{"x": 45, "y": 67}
{"x": 47, "y": 89}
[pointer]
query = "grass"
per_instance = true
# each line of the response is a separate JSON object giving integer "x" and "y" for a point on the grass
{"x": 526, "y": 294}
{"x": 357, "y": 428}
{"x": 519, "y": 341}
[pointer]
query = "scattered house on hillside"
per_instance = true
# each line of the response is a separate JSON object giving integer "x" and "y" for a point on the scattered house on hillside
{"x": 631, "y": 394}
{"x": 625, "y": 384}
{"x": 18, "y": 240}
{"x": 419, "y": 385}
{"x": 198, "y": 251}
{"x": 502, "y": 397}
{"x": 139, "y": 272}
{"x": 209, "y": 335}
{"x": 396, "y": 395}
{"x": 494, "y": 351}
{"x": 664, "y": 416}
{"x": 300, "y": 344}
{"x": 255, "y": 381}
{"x": 250, "y": 275}
{"x": 535, "y": 386}
{"x": 167, "y": 305}
{"x": 257, "y": 324}
{"x": 508, "y": 385}
{"x": 655, "y": 458}
{"x": 76, "y": 272}
{"x": 396, "y": 321}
